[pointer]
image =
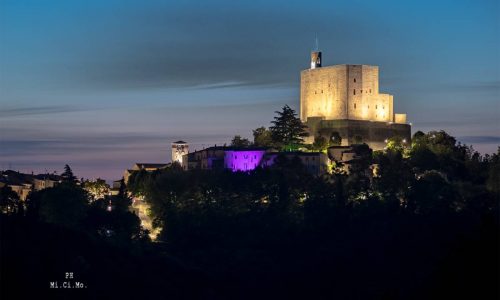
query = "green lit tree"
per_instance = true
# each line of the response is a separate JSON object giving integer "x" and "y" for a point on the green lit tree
{"x": 320, "y": 143}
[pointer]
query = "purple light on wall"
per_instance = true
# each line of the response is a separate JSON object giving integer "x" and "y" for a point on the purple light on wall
{"x": 243, "y": 160}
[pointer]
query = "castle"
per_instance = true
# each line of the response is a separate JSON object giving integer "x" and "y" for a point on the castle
{"x": 345, "y": 99}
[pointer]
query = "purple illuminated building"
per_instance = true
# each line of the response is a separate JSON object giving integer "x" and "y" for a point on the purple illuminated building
{"x": 243, "y": 159}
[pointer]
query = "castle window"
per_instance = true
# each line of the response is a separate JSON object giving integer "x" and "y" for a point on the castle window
{"x": 370, "y": 91}
{"x": 321, "y": 91}
{"x": 354, "y": 92}
{"x": 368, "y": 106}
{"x": 361, "y": 91}
{"x": 376, "y": 106}
{"x": 354, "y": 79}
{"x": 354, "y": 105}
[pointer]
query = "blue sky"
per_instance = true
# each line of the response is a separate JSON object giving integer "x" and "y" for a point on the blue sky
{"x": 103, "y": 84}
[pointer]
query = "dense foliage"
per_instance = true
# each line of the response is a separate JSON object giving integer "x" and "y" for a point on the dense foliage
{"x": 418, "y": 220}
{"x": 425, "y": 224}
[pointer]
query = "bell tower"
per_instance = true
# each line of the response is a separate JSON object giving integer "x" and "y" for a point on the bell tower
{"x": 315, "y": 59}
{"x": 179, "y": 149}
{"x": 316, "y": 56}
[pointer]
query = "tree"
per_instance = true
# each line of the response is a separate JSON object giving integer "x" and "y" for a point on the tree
{"x": 97, "y": 188}
{"x": 493, "y": 181}
{"x": 238, "y": 141}
{"x": 287, "y": 131}
{"x": 65, "y": 204}
{"x": 396, "y": 143}
{"x": 67, "y": 175}
{"x": 112, "y": 219}
{"x": 9, "y": 201}
{"x": 320, "y": 143}
{"x": 262, "y": 137}
{"x": 335, "y": 139}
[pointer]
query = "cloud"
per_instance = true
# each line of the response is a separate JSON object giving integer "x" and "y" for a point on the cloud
{"x": 475, "y": 87}
{"x": 97, "y": 144}
{"x": 37, "y": 110}
{"x": 215, "y": 45}
{"x": 480, "y": 139}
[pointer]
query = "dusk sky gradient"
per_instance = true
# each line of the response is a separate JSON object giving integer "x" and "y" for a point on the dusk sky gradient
{"x": 103, "y": 84}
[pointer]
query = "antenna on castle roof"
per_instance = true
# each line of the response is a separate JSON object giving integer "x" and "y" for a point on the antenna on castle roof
{"x": 317, "y": 43}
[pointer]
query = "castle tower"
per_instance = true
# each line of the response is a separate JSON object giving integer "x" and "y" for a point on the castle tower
{"x": 345, "y": 100}
{"x": 179, "y": 148}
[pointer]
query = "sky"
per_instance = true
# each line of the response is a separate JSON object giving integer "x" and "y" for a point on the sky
{"x": 102, "y": 84}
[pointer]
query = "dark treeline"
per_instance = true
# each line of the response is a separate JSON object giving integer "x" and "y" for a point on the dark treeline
{"x": 425, "y": 226}
{"x": 63, "y": 229}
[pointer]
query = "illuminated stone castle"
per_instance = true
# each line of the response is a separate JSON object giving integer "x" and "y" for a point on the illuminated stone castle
{"x": 346, "y": 99}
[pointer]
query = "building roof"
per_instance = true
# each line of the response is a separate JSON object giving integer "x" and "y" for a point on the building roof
{"x": 246, "y": 148}
{"x": 151, "y": 165}
{"x": 297, "y": 153}
{"x": 231, "y": 148}
{"x": 340, "y": 147}
{"x": 52, "y": 177}
{"x": 15, "y": 178}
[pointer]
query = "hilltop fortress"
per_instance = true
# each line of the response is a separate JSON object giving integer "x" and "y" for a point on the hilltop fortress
{"x": 345, "y": 99}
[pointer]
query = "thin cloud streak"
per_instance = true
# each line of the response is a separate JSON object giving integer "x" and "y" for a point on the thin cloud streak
{"x": 38, "y": 110}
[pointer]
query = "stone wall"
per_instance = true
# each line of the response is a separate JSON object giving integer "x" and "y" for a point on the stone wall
{"x": 372, "y": 133}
